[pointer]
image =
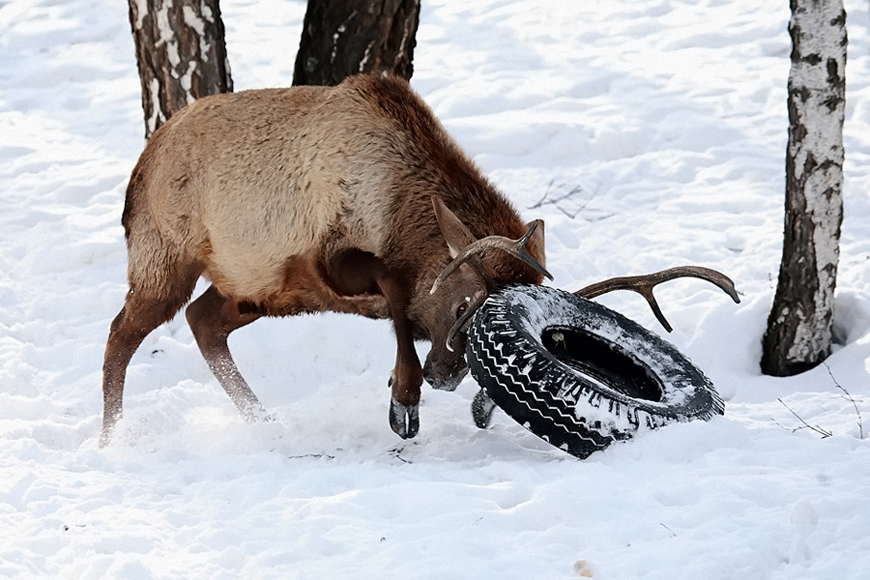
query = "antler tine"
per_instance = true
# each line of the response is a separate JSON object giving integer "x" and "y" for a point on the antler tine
{"x": 644, "y": 285}
{"x": 516, "y": 248}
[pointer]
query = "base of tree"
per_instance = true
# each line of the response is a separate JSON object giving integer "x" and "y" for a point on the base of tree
{"x": 779, "y": 366}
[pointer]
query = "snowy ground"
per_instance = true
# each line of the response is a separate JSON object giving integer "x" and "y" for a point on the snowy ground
{"x": 647, "y": 133}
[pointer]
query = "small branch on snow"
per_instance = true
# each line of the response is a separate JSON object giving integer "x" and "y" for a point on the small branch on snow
{"x": 397, "y": 453}
{"x": 311, "y": 456}
{"x": 817, "y": 429}
{"x": 848, "y": 396}
{"x": 569, "y": 196}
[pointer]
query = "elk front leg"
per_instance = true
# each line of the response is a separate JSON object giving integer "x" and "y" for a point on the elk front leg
{"x": 405, "y": 381}
{"x": 407, "y": 376}
{"x": 354, "y": 272}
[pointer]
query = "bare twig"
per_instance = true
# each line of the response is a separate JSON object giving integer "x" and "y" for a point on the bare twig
{"x": 568, "y": 196}
{"x": 544, "y": 200}
{"x": 397, "y": 453}
{"x": 541, "y": 201}
{"x": 825, "y": 434}
{"x": 311, "y": 456}
{"x": 848, "y": 396}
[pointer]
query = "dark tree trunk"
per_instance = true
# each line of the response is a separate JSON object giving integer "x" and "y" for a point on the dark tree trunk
{"x": 799, "y": 329}
{"x": 345, "y": 37}
{"x": 181, "y": 52}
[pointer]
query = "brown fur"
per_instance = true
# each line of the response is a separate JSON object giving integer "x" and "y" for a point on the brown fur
{"x": 305, "y": 200}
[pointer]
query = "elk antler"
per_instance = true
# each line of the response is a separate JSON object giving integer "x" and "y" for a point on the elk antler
{"x": 516, "y": 248}
{"x": 644, "y": 285}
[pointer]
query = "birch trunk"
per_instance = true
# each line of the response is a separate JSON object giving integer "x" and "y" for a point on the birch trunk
{"x": 181, "y": 53}
{"x": 345, "y": 37}
{"x": 799, "y": 328}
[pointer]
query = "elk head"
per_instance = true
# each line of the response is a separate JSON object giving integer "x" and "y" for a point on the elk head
{"x": 464, "y": 284}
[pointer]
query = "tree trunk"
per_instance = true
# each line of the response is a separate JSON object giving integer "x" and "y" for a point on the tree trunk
{"x": 345, "y": 37}
{"x": 799, "y": 328}
{"x": 181, "y": 53}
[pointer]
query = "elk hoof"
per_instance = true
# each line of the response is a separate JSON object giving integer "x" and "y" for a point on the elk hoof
{"x": 482, "y": 408}
{"x": 404, "y": 419}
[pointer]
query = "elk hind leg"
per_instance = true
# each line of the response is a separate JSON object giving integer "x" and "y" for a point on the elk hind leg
{"x": 142, "y": 312}
{"x": 212, "y": 317}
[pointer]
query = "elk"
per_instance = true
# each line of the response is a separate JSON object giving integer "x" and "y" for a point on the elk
{"x": 308, "y": 199}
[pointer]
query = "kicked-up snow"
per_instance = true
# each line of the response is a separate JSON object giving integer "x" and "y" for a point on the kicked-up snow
{"x": 646, "y": 133}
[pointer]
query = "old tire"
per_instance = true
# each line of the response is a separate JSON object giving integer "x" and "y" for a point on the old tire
{"x": 578, "y": 374}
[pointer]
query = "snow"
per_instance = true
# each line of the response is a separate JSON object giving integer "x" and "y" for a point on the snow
{"x": 656, "y": 129}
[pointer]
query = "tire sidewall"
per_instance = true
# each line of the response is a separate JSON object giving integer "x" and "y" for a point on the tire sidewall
{"x": 508, "y": 359}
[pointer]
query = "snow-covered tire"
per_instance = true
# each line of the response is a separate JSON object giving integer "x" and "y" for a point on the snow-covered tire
{"x": 578, "y": 374}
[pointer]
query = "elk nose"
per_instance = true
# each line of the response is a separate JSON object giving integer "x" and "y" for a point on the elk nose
{"x": 444, "y": 382}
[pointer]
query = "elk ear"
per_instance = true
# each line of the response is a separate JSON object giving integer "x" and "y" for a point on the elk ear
{"x": 536, "y": 243}
{"x": 455, "y": 233}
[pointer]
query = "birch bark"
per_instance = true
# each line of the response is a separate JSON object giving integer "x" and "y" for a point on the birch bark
{"x": 799, "y": 330}
{"x": 181, "y": 54}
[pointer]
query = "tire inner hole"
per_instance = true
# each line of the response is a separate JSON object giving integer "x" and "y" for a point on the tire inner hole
{"x": 602, "y": 363}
